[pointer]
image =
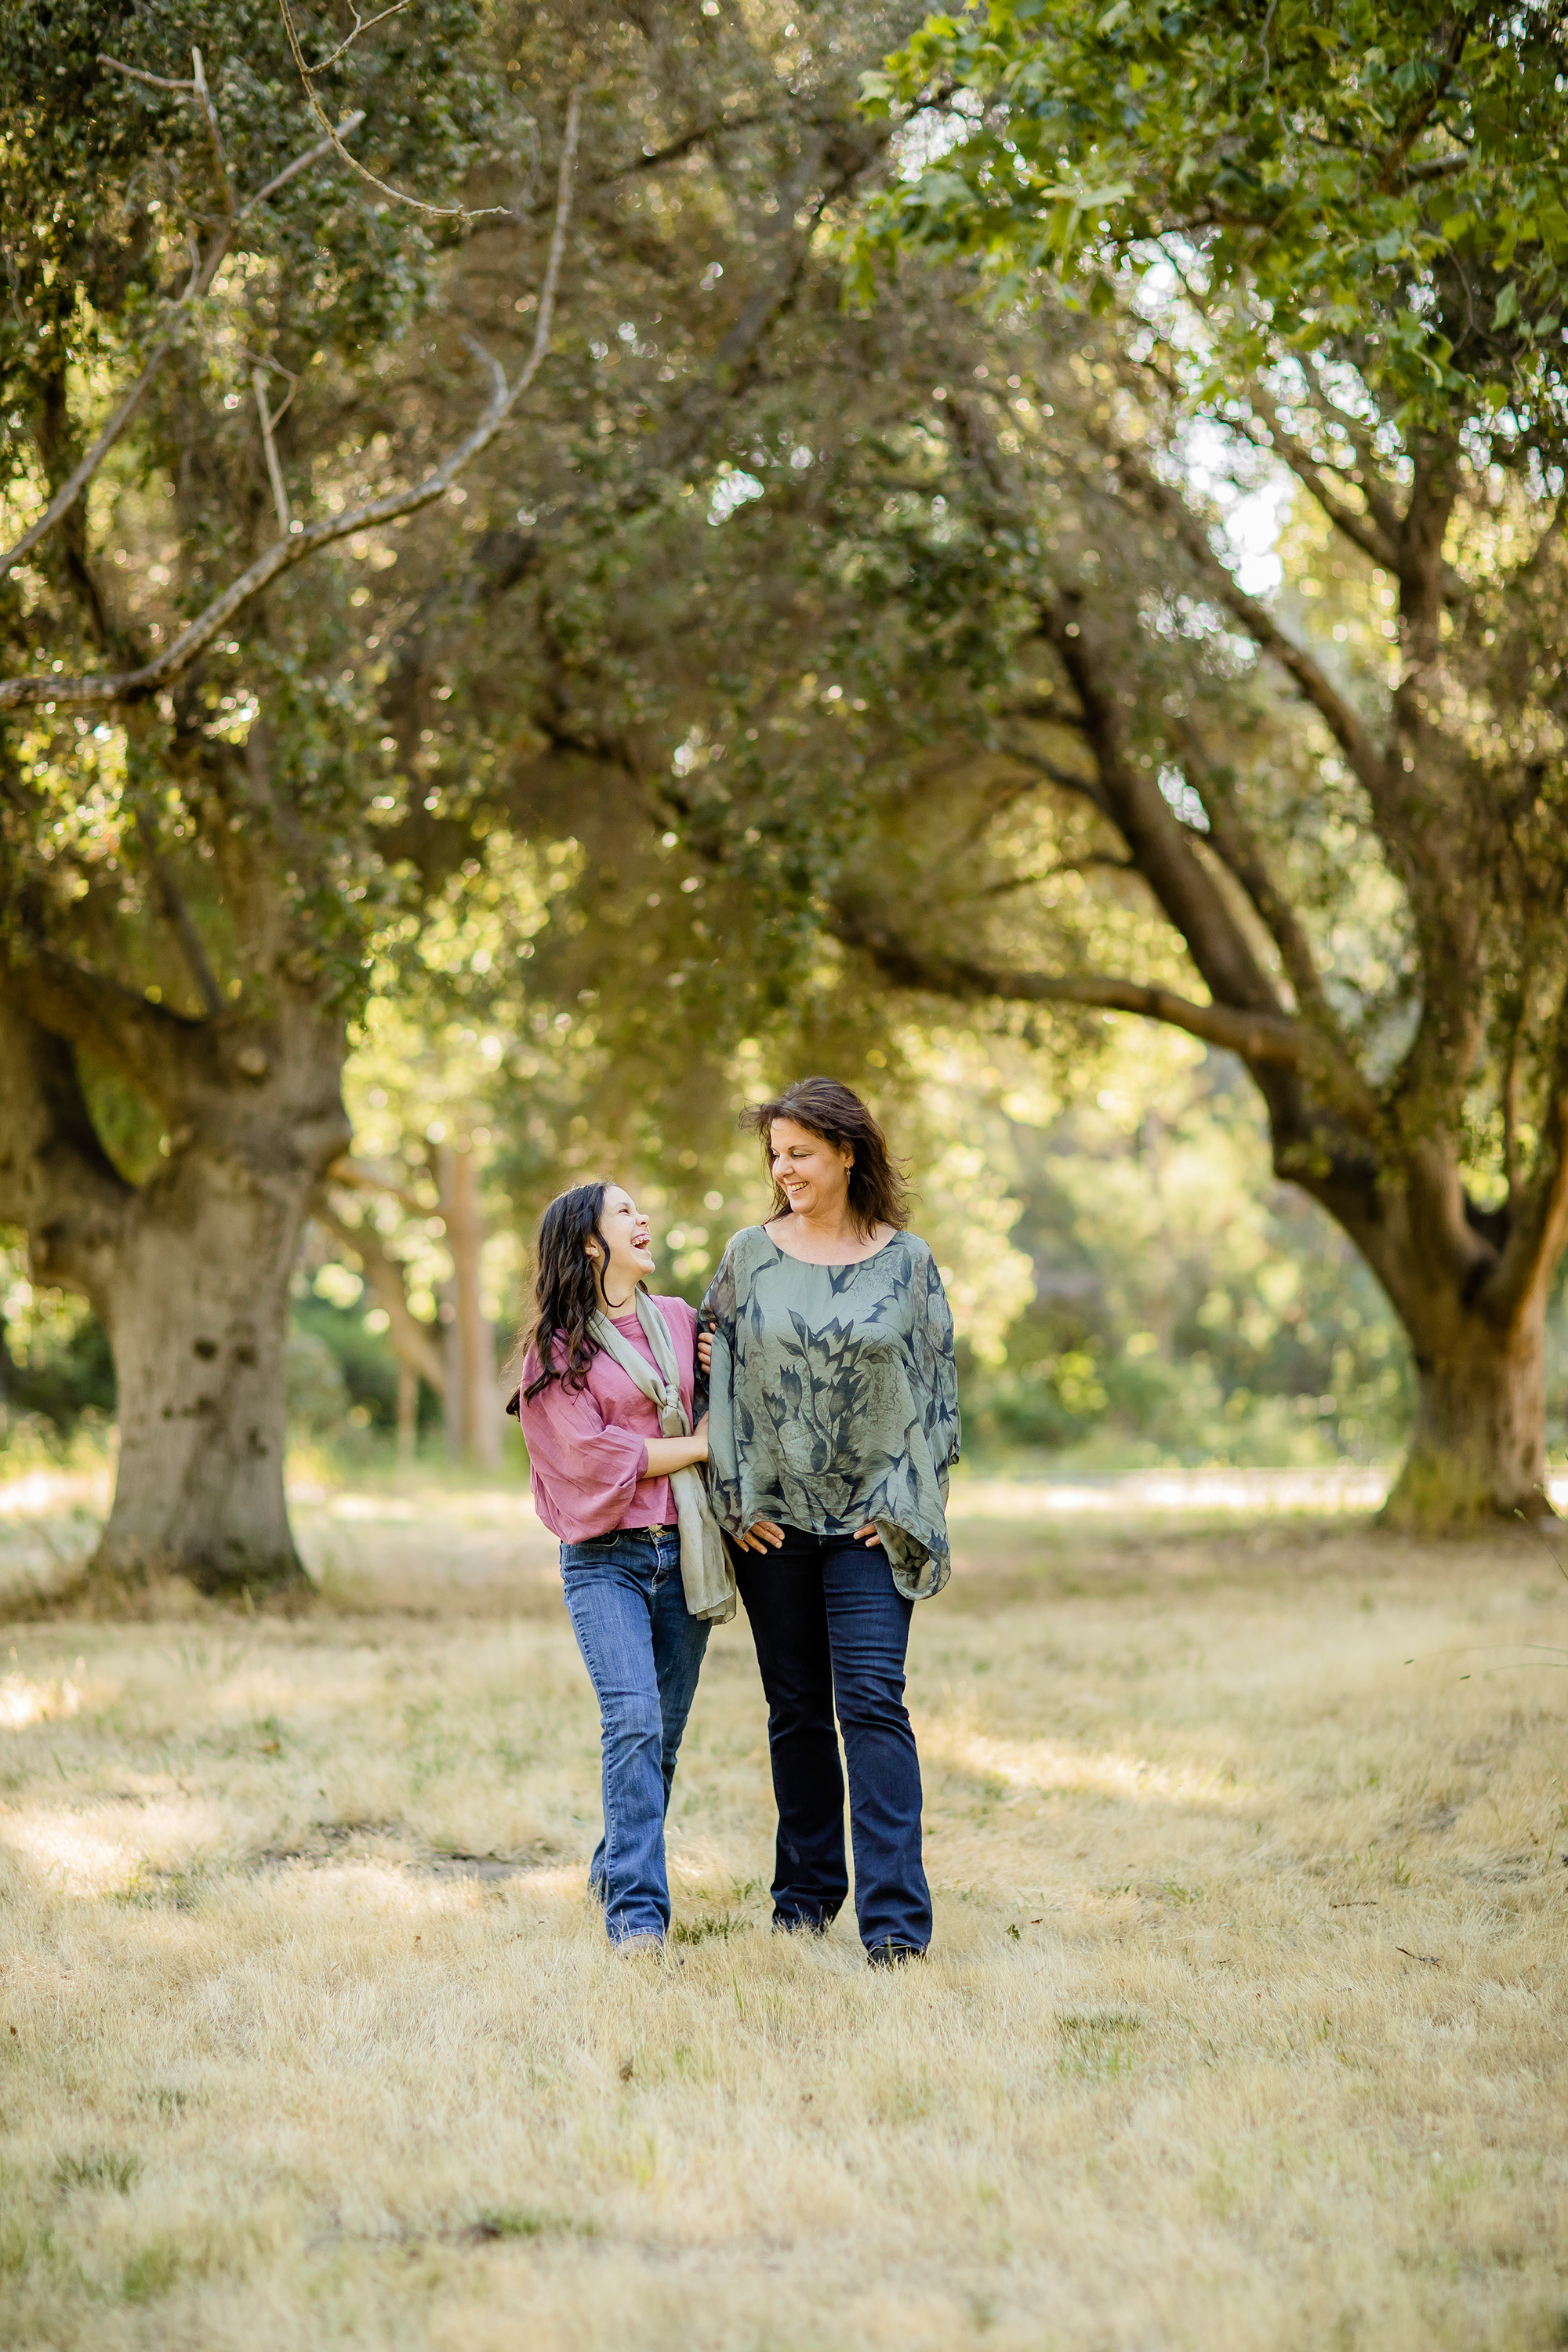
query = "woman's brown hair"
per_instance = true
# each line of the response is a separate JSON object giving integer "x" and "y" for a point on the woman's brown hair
{"x": 565, "y": 1293}
{"x": 877, "y": 1192}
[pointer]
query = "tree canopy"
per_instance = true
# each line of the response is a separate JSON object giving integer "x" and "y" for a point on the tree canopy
{"x": 1332, "y": 241}
{"x": 1392, "y": 173}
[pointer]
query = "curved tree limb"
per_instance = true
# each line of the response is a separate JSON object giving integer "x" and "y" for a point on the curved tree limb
{"x": 383, "y": 187}
{"x": 1537, "y": 1208}
{"x": 136, "y": 686}
{"x": 412, "y": 1341}
{"x": 1165, "y": 850}
{"x": 1343, "y": 721}
{"x": 1237, "y": 848}
{"x": 1257, "y": 1036}
{"x": 1326, "y": 483}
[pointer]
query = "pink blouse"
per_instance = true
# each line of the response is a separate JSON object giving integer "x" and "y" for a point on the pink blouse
{"x": 587, "y": 1448}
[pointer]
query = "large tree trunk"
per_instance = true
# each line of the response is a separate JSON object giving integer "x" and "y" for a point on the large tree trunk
{"x": 1469, "y": 1286}
{"x": 1478, "y": 1453}
{"x": 189, "y": 1272}
{"x": 197, "y": 1311}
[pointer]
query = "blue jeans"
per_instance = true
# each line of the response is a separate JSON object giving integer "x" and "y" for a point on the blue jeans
{"x": 831, "y": 1628}
{"x": 643, "y": 1651}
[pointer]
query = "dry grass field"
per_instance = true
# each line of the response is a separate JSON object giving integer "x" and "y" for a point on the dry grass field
{"x": 1243, "y": 2028}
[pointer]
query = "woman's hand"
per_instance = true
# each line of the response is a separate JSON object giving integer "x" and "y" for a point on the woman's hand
{"x": 761, "y": 1535}
{"x": 868, "y": 1536}
{"x": 705, "y": 1352}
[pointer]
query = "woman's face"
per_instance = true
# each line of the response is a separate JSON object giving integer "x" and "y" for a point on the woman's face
{"x": 628, "y": 1255}
{"x": 812, "y": 1173}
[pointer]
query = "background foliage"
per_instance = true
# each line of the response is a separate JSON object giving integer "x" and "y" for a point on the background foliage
{"x": 736, "y": 637}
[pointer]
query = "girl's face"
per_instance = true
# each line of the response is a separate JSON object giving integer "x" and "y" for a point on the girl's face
{"x": 625, "y": 1254}
{"x": 812, "y": 1173}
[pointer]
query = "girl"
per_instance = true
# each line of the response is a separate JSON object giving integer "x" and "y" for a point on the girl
{"x": 834, "y": 1409}
{"x": 605, "y": 1406}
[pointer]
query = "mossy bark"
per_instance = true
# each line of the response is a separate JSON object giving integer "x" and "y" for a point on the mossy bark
{"x": 1478, "y": 1453}
{"x": 197, "y": 1309}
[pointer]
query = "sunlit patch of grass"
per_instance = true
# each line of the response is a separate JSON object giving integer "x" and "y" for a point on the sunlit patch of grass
{"x": 1100, "y": 2046}
{"x": 1243, "y": 2013}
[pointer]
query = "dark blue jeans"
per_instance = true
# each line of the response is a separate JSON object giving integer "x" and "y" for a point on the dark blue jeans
{"x": 831, "y": 1627}
{"x": 644, "y": 1653}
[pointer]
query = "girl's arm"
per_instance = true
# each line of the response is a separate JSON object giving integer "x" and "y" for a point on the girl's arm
{"x": 590, "y": 1468}
{"x": 668, "y": 1454}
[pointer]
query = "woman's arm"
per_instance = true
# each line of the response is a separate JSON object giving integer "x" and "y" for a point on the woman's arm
{"x": 668, "y": 1454}
{"x": 937, "y": 1369}
{"x": 590, "y": 1469}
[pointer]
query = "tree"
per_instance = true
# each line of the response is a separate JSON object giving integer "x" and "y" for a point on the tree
{"x": 1336, "y": 238}
{"x": 189, "y": 883}
{"x": 237, "y": 793}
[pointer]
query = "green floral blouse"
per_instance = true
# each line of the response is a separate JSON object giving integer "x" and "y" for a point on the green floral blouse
{"x": 833, "y": 1399}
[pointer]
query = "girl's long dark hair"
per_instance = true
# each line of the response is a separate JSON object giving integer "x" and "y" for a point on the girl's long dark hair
{"x": 877, "y": 1192}
{"x": 565, "y": 1288}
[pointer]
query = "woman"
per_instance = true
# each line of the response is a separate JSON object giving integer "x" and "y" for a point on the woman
{"x": 833, "y": 1422}
{"x": 605, "y": 1406}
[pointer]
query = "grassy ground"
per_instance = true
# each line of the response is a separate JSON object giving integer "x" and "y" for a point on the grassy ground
{"x": 1245, "y": 2025}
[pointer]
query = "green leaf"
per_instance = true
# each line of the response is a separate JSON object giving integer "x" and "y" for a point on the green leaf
{"x": 1507, "y": 306}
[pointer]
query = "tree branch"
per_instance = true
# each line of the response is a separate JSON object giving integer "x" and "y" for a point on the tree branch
{"x": 1362, "y": 529}
{"x": 1538, "y": 1221}
{"x": 1092, "y": 858}
{"x": 153, "y": 81}
{"x": 361, "y": 25}
{"x": 349, "y": 1172}
{"x": 1394, "y": 162}
{"x": 1184, "y": 886}
{"x": 136, "y": 686}
{"x": 383, "y": 187}
{"x": 1064, "y": 778}
{"x": 274, "y": 470}
{"x": 1255, "y": 1037}
{"x": 1236, "y": 844}
{"x": 66, "y": 496}
{"x": 209, "y": 116}
{"x": 674, "y": 149}
{"x": 411, "y": 1339}
{"x": 1343, "y": 720}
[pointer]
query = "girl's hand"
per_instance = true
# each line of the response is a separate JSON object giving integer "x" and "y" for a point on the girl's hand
{"x": 705, "y": 1352}
{"x": 761, "y": 1535}
{"x": 868, "y": 1536}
